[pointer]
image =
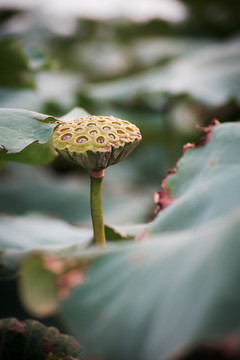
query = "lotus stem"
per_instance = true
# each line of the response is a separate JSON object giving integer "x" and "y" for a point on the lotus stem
{"x": 96, "y": 207}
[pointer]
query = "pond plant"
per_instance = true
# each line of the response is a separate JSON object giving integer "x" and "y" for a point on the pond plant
{"x": 94, "y": 143}
{"x": 155, "y": 290}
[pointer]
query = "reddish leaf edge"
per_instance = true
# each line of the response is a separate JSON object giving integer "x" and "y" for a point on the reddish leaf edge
{"x": 162, "y": 198}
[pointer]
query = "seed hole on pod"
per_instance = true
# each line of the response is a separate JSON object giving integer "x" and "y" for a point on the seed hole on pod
{"x": 66, "y": 137}
{"x": 116, "y": 123}
{"x": 129, "y": 129}
{"x": 64, "y": 129}
{"x": 125, "y": 122}
{"x": 94, "y": 132}
{"x": 121, "y": 132}
{"x": 101, "y": 121}
{"x": 112, "y": 136}
{"x": 81, "y": 139}
{"x": 100, "y": 140}
{"x": 80, "y": 123}
{"x": 106, "y": 128}
{"x": 79, "y": 129}
{"x": 91, "y": 125}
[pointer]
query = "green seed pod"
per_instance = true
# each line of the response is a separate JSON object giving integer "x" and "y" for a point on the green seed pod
{"x": 95, "y": 142}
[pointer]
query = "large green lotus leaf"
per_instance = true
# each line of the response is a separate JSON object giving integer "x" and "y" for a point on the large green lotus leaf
{"x": 19, "y": 128}
{"x": 25, "y": 135}
{"x": 209, "y": 74}
{"x": 14, "y": 65}
{"x": 175, "y": 289}
{"x": 33, "y": 154}
{"x": 21, "y": 234}
{"x": 30, "y": 339}
{"x": 206, "y": 185}
{"x": 167, "y": 294}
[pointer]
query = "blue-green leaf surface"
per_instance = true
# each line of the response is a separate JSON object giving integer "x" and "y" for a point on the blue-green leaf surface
{"x": 206, "y": 184}
{"x": 180, "y": 286}
{"x": 153, "y": 299}
{"x": 22, "y": 234}
{"x": 19, "y": 128}
{"x": 174, "y": 288}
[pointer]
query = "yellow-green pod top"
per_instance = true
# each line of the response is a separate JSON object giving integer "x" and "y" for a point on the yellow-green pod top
{"x": 95, "y": 142}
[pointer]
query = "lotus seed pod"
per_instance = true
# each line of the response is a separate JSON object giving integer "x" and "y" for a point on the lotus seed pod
{"x": 95, "y": 142}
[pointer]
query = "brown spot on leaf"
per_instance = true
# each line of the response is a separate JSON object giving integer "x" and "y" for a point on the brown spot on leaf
{"x": 68, "y": 274}
{"x": 54, "y": 265}
{"x": 163, "y": 198}
{"x": 142, "y": 236}
{"x": 69, "y": 281}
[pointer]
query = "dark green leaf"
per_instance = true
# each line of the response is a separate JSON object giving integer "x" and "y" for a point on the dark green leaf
{"x": 14, "y": 65}
{"x": 33, "y": 154}
{"x": 30, "y": 339}
{"x": 123, "y": 232}
{"x": 224, "y": 22}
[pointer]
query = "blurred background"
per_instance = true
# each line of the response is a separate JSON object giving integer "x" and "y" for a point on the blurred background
{"x": 165, "y": 65}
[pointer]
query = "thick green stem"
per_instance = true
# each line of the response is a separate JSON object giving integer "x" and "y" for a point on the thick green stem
{"x": 96, "y": 207}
